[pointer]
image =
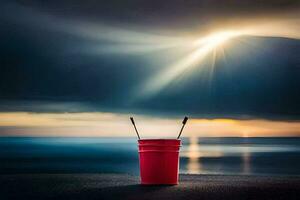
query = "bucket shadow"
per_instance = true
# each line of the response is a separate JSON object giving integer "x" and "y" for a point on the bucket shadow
{"x": 135, "y": 191}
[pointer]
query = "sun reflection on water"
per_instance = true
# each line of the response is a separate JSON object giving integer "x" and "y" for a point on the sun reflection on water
{"x": 246, "y": 160}
{"x": 193, "y": 154}
{"x": 196, "y": 152}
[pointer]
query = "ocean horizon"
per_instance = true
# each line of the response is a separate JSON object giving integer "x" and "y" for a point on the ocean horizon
{"x": 198, "y": 155}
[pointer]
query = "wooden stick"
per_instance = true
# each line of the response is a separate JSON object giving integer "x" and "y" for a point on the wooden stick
{"x": 132, "y": 121}
{"x": 183, "y": 124}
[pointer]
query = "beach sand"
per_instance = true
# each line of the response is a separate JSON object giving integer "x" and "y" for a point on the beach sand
{"x": 122, "y": 186}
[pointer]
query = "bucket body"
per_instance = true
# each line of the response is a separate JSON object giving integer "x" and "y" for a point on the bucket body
{"x": 159, "y": 161}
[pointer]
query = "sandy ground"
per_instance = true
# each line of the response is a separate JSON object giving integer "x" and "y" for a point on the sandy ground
{"x": 120, "y": 186}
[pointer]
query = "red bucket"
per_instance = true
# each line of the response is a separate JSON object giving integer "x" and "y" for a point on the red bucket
{"x": 159, "y": 161}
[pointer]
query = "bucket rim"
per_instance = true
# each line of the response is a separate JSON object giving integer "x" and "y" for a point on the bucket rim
{"x": 160, "y": 145}
{"x": 162, "y": 151}
{"x": 159, "y": 140}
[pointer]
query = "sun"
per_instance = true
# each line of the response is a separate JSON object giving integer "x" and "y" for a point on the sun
{"x": 216, "y": 39}
{"x": 200, "y": 49}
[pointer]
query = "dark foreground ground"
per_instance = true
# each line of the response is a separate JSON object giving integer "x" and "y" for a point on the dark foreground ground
{"x": 116, "y": 186}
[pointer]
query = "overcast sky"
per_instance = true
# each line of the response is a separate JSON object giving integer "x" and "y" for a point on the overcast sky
{"x": 88, "y": 56}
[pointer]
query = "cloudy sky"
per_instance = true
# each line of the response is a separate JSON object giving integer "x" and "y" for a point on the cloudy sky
{"x": 82, "y": 68}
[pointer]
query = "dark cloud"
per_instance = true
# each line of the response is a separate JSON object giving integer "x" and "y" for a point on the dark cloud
{"x": 163, "y": 11}
{"x": 38, "y": 68}
{"x": 163, "y": 14}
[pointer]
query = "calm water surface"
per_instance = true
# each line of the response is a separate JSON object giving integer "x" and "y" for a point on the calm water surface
{"x": 259, "y": 156}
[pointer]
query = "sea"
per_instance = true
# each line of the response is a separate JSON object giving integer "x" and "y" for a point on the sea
{"x": 218, "y": 155}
